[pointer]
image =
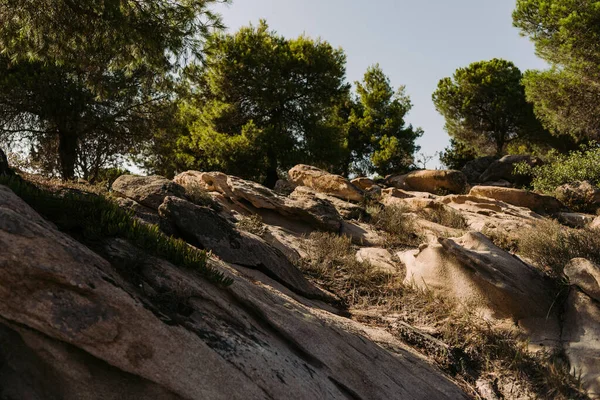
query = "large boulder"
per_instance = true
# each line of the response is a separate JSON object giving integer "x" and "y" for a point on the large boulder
{"x": 206, "y": 229}
{"x": 345, "y": 209}
{"x": 75, "y": 326}
{"x": 379, "y": 258}
{"x": 324, "y": 182}
{"x": 480, "y": 275}
{"x": 585, "y": 275}
{"x": 249, "y": 197}
{"x": 580, "y": 196}
{"x": 503, "y": 169}
{"x": 149, "y": 191}
{"x": 581, "y": 339}
{"x": 432, "y": 181}
{"x": 520, "y": 198}
{"x": 474, "y": 168}
{"x": 581, "y": 327}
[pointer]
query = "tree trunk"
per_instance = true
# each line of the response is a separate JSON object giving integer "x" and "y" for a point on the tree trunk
{"x": 272, "y": 175}
{"x": 4, "y": 168}
{"x": 67, "y": 153}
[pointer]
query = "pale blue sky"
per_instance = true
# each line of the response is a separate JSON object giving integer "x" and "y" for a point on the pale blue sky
{"x": 416, "y": 42}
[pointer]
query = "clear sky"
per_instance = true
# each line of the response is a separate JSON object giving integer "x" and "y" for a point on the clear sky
{"x": 416, "y": 42}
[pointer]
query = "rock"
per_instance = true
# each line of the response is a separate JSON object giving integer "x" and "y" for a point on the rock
{"x": 580, "y": 196}
{"x": 432, "y": 181}
{"x": 363, "y": 183}
{"x": 206, "y": 229}
{"x": 585, "y": 275}
{"x": 581, "y": 339}
{"x": 149, "y": 191}
{"x": 475, "y": 272}
{"x": 72, "y": 326}
{"x": 517, "y": 197}
{"x": 414, "y": 204}
{"x": 209, "y": 181}
{"x": 146, "y": 215}
{"x": 397, "y": 193}
{"x": 500, "y": 183}
{"x": 4, "y": 167}
{"x": 595, "y": 223}
{"x": 318, "y": 212}
{"x": 377, "y": 257}
{"x": 503, "y": 169}
{"x": 346, "y": 209}
{"x": 324, "y": 182}
{"x": 474, "y": 168}
{"x": 575, "y": 220}
{"x": 284, "y": 187}
{"x": 362, "y": 234}
{"x": 248, "y": 197}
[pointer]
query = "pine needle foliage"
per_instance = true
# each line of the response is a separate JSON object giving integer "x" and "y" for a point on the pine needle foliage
{"x": 91, "y": 219}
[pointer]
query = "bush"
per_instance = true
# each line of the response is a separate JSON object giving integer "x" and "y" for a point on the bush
{"x": 580, "y": 165}
{"x": 92, "y": 218}
{"x": 551, "y": 246}
{"x": 400, "y": 226}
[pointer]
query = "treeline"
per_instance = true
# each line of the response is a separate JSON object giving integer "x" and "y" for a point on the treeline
{"x": 87, "y": 85}
{"x": 492, "y": 108}
{"x": 84, "y": 84}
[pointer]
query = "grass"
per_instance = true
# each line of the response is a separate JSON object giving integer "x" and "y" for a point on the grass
{"x": 550, "y": 246}
{"x": 460, "y": 342}
{"x": 398, "y": 223}
{"x": 91, "y": 218}
{"x": 505, "y": 240}
{"x": 445, "y": 216}
{"x": 332, "y": 264}
{"x": 199, "y": 196}
{"x": 252, "y": 224}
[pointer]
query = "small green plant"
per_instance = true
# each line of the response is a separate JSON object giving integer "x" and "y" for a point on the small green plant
{"x": 91, "y": 218}
{"x": 559, "y": 169}
{"x": 550, "y": 246}
{"x": 252, "y": 224}
{"x": 398, "y": 223}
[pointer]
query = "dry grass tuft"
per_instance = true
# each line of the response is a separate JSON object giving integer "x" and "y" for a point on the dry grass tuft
{"x": 463, "y": 344}
{"x": 445, "y": 216}
{"x": 399, "y": 224}
{"x": 332, "y": 264}
{"x": 550, "y": 246}
{"x": 199, "y": 196}
{"x": 252, "y": 224}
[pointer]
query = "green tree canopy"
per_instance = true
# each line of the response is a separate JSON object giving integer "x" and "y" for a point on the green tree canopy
{"x": 262, "y": 103}
{"x": 484, "y": 105}
{"x": 378, "y": 138}
{"x": 457, "y": 155}
{"x": 85, "y": 80}
{"x": 566, "y": 33}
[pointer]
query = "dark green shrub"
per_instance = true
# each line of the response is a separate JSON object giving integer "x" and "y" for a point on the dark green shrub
{"x": 91, "y": 218}
{"x": 580, "y": 165}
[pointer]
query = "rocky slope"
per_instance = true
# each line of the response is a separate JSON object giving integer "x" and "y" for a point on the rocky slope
{"x": 110, "y": 321}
